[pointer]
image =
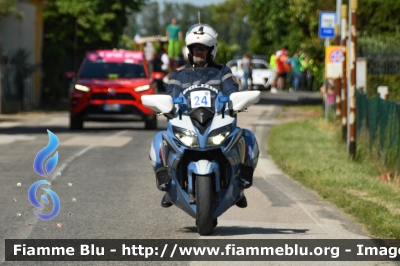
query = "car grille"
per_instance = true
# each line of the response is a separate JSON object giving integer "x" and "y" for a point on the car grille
{"x": 106, "y": 96}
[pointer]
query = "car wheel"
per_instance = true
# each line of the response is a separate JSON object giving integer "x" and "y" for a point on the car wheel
{"x": 152, "y": 123}
{"x": 75, "y": 122}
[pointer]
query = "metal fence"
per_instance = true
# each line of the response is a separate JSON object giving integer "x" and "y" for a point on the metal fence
{"x": 381, "y": 119}
{"x": 381, "y": 62}
{"x": 12, "y": 98}
{"x": 8, "y": 87}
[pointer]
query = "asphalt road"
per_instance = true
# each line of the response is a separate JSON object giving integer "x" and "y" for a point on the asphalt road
{"x": 107, "y": 190}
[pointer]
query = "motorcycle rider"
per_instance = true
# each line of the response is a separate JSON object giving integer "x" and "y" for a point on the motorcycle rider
{"x": 201, "y": 42}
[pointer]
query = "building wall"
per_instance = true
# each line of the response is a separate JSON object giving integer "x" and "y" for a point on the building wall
{"x": 26, "y": 33}
{"x": 19, "y": 32}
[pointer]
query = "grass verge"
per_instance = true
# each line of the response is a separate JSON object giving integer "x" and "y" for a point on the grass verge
{"x": 311, "y": 152}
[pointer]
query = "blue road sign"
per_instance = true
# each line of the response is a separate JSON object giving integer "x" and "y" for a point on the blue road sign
{"x": 327, "y": 21}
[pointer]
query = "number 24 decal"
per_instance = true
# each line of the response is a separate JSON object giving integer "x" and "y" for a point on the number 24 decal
{"x": 203, "y": 100}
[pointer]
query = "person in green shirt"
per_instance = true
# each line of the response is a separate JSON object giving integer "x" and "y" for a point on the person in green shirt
{"x": 296, "y": 71}
{"x": 304, "y": 69}
{"x": 312, "y": 72}
{"x": 174, "y": 35}
{"x": 274, "y": 76}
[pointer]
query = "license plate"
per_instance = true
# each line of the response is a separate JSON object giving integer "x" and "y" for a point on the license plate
{"x": 112, "y": 107}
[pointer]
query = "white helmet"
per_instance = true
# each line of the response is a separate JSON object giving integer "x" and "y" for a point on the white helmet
{"x": 202, "y": 34}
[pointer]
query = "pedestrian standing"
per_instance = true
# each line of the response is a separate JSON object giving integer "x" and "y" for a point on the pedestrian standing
{"x": 274, "y": 75}
{"x": 174, "y": 35}
{"x": 149, "y": 54}
{"x": 165, "y": 62}
{"x": 246, "y": 66}
{"x": 296, "y": 71}
{"x": 281, "y": 71}
{"x": 304, "y": 69}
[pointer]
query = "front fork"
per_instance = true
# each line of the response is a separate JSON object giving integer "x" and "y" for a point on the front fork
{"x": 202, "y": 168}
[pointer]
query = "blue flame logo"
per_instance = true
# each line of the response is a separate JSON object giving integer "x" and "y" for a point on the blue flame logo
{"x": 44, "y": 169}
{"x": 44, "y": 153}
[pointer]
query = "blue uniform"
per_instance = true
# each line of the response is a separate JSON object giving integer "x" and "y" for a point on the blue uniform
{"x": 226, "y": 84}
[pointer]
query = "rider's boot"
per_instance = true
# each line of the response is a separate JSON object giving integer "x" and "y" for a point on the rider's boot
{"x": 166, "y": 202}
{"x": 242, "y": 203}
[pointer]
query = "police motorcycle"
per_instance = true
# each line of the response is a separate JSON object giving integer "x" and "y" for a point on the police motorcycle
{"x": 202, "y": 160}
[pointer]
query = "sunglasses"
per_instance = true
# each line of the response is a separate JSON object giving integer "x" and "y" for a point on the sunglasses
{"x": 198, "y": 48}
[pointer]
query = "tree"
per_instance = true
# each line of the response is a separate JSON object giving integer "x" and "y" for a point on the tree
{"x": 378, "y": 17}
{"x": 150, "y": 24}
{"x": 231, "y": 20}
{"x": 7, "y": 7}
{"x": 72, "y": 27}
{"x": 292, "y": 24}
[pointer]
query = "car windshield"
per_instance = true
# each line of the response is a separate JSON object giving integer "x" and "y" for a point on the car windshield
{"x": 103, "y": 70}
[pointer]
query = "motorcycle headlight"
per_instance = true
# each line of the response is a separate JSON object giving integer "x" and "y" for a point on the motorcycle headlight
{"x": 142, "y": 88}
{"x": 217, "y": 136}
{"x": 187, "y": 137}
{"x": 80, "y": 87}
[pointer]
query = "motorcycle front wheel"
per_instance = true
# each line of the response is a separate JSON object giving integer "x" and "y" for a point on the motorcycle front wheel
{"x": 204, "y": 205}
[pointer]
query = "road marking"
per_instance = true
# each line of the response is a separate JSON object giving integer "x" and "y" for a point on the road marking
{"x": 116, "y": 141}
{"x": 7, "y": 139}
{"x": 9, "y": 124}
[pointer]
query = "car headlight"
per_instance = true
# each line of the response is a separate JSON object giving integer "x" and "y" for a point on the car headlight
{"x": 187, "y": 137}
{"x": 80, "y": 87}
{"x": 142, "y": 88}
{"x": 217, "y": 136}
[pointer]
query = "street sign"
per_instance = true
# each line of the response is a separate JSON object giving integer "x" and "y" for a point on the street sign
{"x": 333, "y": 61}
{"x": 327, "y": 21}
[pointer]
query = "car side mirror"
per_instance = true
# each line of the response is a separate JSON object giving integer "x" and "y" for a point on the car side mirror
{"x": 70, "y": 75}
{"x": 157, "y": 75}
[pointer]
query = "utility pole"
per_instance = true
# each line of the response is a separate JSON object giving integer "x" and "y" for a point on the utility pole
{"x": 1, "y": 97}
{"x": 337, "y": 85}
{"x": 344, "y": 72}
{"x": 352, "y": 92}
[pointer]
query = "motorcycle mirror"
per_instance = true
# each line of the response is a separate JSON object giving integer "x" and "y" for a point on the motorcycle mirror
{"x": 158, "y": 103}
{"x": 243, "y": 99}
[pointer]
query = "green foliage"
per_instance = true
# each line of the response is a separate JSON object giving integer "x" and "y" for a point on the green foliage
{"x": 389, "y": 45}
{"x": 7, "y": 7}
{"x": 377, "y": 16}
{"x": 379, "y": 43}
{"x": 149, "y": 25}
{"x": 226, "y": 52}
{"x": 320, "y": 162}
{"x": 231, "y": 21}
{"x": 71, "y": 27}
{"x": 290, "y": 23}
{"x": 392, "y": 81}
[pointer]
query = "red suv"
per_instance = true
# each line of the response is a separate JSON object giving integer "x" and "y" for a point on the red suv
{"x": 108, "y": 87}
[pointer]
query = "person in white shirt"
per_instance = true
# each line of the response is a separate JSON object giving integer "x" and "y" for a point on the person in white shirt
{"x": 165, "y": 61}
